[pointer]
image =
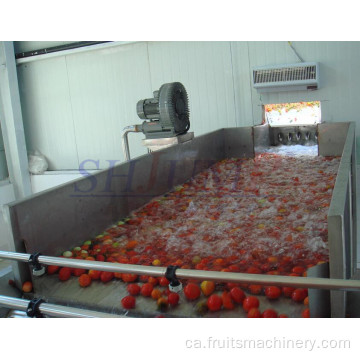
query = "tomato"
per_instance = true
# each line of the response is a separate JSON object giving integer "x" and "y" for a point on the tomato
{"x": 106, "y": 276}
{"x": 192, "y": 291}
{"x": 156, "y": 262}
{"x": 254, "y": 313}
{"x": 52, "y": 269}
{"x": 84, "y": 280}
{"x": 269, "y": 313}
{"x": 64, "y": 274}
{"x": 94, "y": 274}
{"x": 237, "y": 295}
{"x": 305, "y": 313}
{"x": 298, "y": 270}
{"x": 129, "y": 277}
{"x": 100, "y": 258}
{"x": 152, "y": 280}
{"x": 250, "y": 302}
{"x": 146, "y": 289}
{"x": 173, "y": 298}
{"x": 144, "y": 278}
{"x": 27, "y": 286}
{"x": 299, "y": 295}
{"x": 214, "y": 302}
{"x": 283, "y": 316}
{"x": 133, "y": 289}
{"x": 207, "y": 287}
{"x": 131, "y": 244}
{"x": 118, "y": 275}
{"x": 287, "y": 291}
{"x": 253, "y": 270}
{"x": 128, "y": 302}
{"x": 231, "y": 285}
{"x": 234, "y": 268}
{"x": 79, "y": 272}
{"x": 227, "y": 301}
{"x": 164, "y": 282}
{"x": 156, "y": 294}
{"x": 255, "y": 289}
{"x": 272, "y": 292}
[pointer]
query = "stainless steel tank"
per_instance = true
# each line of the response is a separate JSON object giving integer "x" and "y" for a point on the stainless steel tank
{"x": 61, "y": 218}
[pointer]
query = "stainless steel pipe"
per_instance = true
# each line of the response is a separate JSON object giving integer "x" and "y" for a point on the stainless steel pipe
{"x": 125, "y": 140}
{"x": 53, "y": 310}
{"x": 301, "y": 282}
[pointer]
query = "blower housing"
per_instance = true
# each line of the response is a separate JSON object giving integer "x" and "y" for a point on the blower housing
{"x": 167, "y": 112}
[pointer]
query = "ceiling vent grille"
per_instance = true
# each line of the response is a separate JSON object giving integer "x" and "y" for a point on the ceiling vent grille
{"x": 288, "y": 77}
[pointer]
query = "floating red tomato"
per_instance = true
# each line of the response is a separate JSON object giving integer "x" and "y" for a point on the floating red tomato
{"x": 64, "y": 274}
{"x": 250, "y": 302}
{"x": 133, "y": 289}
{"x": 272, "y": 292}
{"x": 129, "y": 277}
{"x": 173, "y": 298}
{"x": 305, "y": 313}
{"x": 146, "y": 289}
{"x": 299, "y": 295}
{"x": 52, "y": 269}
{"x": 227, "y": 301}
{"x": 164, "y": 282}
{"x": 237, "y": 295}
{"x": 84, "y": 280}
{"x": 192, "y": 291}
{"x": 269, "y": 313}
{"x": 128, "y": 302}
{"x": 106, "y": 276}
{"x": 214, "y": 302}
{"x": 254, "y": 313}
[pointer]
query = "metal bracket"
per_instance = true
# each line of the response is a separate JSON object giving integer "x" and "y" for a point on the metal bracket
{"x": 33, "y": 308}
{"x": 38, "y": 269}
{"x": 175, "y": 285}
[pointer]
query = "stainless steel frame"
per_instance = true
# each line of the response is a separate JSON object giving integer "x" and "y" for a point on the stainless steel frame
{"x": 63, "y": 217}
{"x": 339, "y": 139}
{"x": 219, "y": 276}
{"x": 52, "y": 310}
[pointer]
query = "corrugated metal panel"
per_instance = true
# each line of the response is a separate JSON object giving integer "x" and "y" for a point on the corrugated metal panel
{"x": 46, "y": 109}
{"x": 205, "y": 70}
{"x": 105, "y": 87}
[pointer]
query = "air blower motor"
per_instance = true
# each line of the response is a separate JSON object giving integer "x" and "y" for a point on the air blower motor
{"x": 166, "y": 118}
{"x": 168, "y": 112}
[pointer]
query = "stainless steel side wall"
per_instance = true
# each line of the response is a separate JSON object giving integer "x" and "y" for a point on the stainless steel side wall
{"x": 339, "y": 140}
{"x": 63, "y": 217}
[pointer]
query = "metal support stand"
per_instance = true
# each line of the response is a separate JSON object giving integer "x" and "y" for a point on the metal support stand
{"x": 39, "y": 308}
{"x": 12, "y": 122}
{"x": 38, "y": 269}
{"x": 33, "y": 308}
{"x": 220, "y": 276}
{"x": 175, "y": 285}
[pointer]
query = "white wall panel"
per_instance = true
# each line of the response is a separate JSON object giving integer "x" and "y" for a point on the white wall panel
{"x": 75, "y": 106}
{"x": 204, "y": 68}
{"x": 47, "y": 115}
{"x": 105, "y": 87}
{"x": 242, "y": 83}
